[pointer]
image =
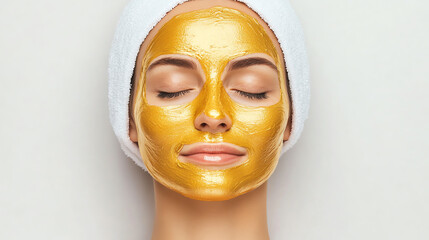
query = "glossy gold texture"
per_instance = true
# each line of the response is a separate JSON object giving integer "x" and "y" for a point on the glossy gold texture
{"x": 214, "y": 37}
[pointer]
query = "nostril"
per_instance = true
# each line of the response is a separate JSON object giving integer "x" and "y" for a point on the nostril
{"x": 213, "y": 125}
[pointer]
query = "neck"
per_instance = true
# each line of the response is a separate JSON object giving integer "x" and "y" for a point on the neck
{"x": 178, "y": 217}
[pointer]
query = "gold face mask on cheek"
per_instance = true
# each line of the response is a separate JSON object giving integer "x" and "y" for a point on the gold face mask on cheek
{"x": 214, "y": 37}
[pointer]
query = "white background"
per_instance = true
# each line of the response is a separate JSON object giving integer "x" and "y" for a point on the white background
{"x": 359, "y": 171}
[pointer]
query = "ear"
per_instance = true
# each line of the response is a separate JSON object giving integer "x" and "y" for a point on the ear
{"x": 132, "y": 132}
{"x": 286, "y": 134}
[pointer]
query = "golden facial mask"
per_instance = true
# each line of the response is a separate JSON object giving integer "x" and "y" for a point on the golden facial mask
{"x": 214, "y": 36}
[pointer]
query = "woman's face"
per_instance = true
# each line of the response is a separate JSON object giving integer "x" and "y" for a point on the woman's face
{"x": 211, "y": 106}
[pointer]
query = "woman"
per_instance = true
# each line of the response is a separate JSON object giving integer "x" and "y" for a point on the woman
{"x": 210, "y": 112}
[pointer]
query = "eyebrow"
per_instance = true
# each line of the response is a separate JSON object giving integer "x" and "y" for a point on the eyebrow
{"x": 247, "y": 62}
{"x": 173, "y": 61}
{"x": 252, "y": 61}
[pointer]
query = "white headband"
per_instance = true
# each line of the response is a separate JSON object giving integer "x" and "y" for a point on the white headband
{"x": 140, "y": 16}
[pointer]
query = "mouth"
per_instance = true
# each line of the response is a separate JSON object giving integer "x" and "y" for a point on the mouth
{"x": 213, "y": 156}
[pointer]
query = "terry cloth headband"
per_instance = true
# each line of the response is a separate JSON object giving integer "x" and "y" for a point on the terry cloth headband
{"x": 140, "y": 16}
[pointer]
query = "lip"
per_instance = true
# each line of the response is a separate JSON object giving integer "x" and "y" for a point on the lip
{"x": 213, "y": 155}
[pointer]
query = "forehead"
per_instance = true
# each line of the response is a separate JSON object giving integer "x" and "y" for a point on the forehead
{"x": 214, "y": 33}
{"x": 205, "y": 4}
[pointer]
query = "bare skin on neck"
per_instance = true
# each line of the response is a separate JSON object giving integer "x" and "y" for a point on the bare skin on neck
{"x": 181, "y": 218}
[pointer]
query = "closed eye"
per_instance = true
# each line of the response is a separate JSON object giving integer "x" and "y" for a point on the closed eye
{"x": 172, "y": 94}
{"x": 252, "y": 96}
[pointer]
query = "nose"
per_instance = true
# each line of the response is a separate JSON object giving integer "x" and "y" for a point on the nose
{"x": 212, "y": 124}
{"x": 213, "y": 117}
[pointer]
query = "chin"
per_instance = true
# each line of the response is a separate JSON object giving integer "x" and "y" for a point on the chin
{"x": 214, "y": 193}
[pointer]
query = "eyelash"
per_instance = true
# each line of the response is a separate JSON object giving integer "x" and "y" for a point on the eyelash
{"x": 172, "y": 94}
{"x": 244, "y": 94}
{"x": 252, "y": 95}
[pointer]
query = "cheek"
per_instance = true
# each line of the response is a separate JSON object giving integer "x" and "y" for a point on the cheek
{"x": 262, "y": 122}
{"x": 164, "y": 125}
{"x": 260, "y": 130}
